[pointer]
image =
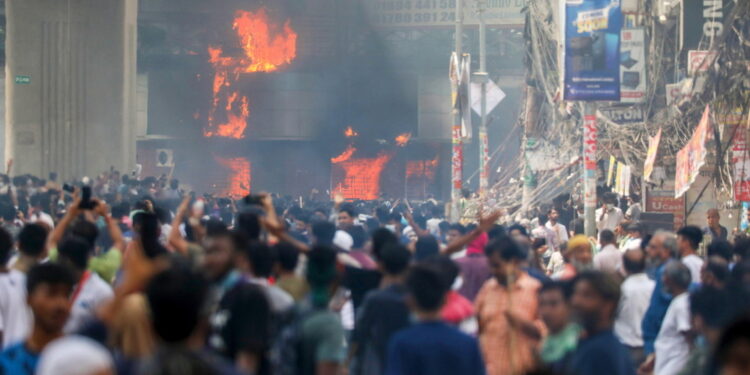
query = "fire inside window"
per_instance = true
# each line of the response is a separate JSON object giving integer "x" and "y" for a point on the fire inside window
{"x": 266, "y": 46}
{"x": 239, "y": 177}
{"x": 359, "y": 178}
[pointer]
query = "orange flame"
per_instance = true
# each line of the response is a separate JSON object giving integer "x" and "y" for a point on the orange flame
{"x": 265, "y": 52}
{"x": 420, "y": 176}
{"x": 344, "y": 156}
{"x": 238, "y": 184}
{"x": 422, "y": 169}
{"x": 403, "y": 139}
{"x": 361, "y": 178}
{"x": 349, "y": 132}
{"x": 266, "y": 47}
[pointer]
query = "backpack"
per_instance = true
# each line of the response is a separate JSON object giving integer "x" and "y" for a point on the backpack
{"x": 286, "y": 351}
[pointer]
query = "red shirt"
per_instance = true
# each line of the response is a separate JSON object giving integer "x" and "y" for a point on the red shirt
{"x": 457, "y": 308}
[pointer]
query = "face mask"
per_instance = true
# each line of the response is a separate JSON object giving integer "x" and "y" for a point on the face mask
{"x": 391, "y": 227}
{"x": 610, "y": 206}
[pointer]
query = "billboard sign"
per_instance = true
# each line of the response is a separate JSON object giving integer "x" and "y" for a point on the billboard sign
{"x": 703, "y": 21}
{"x": 633, "y": 82}
{"x": 592, "y": 50}
{"x": 441, "y": 13}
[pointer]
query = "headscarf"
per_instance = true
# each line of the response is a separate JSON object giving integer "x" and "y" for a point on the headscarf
{"x": 578, "y": 241}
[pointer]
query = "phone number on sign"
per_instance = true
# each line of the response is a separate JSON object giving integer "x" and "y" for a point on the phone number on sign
{"x": 416, "y": 18}
{"x": 400, "y": 5}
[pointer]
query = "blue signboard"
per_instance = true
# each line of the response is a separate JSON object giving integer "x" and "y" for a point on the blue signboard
{"x": 592, "y": 50}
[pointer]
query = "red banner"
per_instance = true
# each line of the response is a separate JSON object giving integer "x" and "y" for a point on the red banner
{"x": 458, "y": 159}
{"x": 589, "y": 142}
{"x": 692, "y": 157}
{"x": 741, "y": 166}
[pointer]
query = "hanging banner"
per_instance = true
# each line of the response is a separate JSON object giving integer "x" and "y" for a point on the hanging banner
{"x": 457, "y": 161}
{"x": 592, "y": 50}
{"x": 618, "y": 177}
{"x": 454, "y": 72}
{"x": 741, "y": 166}
{"x": 632, "y": 66}
{"x": 626, "y": 178}
{"x": 611, "y": 170}
{"x": 622, "y": 183}
{"x": 653, "y": 148}
{"x": 589, "y": 142}
{"x": 692, "y": 157}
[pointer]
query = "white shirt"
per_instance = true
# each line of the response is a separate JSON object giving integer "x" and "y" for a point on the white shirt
{"x": 671, "y": 346}
{"x": 694, "y": 263}
{"x": 609, "y": 259}
{"x": 549, "y": 235}
{"x": 556, "y": 263}
{"x": 635, "y": 297}
{"x": 561, "y": 233}
{"x": 15, "y": 315}
{"x": 280, "y": 300}
{"x": 92, "y": 294}
{"x": 611, "y": 219}
{"x": 433, "y": 226}
{"x": 632, "y": 244}
{"x": 43, "y": 217}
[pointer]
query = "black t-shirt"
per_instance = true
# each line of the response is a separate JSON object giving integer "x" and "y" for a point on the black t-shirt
{"x": 241, "y": 322}
{"x": 360, "y": 281}
{"x": 383, "y": 313}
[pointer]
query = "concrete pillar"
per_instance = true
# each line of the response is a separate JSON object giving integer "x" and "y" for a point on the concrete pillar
{"x": 70, "y": 86}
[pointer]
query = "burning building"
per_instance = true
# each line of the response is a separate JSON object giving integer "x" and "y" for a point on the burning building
{"x": 290, "y": 96}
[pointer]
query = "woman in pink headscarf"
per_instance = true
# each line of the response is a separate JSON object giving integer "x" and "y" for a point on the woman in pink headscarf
{"x": 474, "y": 268}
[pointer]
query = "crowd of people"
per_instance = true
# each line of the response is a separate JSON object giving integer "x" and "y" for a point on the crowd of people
{"x": 123, "y": 275}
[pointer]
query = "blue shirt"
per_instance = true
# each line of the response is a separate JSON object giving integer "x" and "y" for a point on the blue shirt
{"x": 433, "y": 348}
{"x": 657, "y": 308}
{"x": 600, "y": 354}
{"x": 18, "y": 360}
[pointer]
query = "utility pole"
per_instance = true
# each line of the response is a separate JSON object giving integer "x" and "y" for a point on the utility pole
{"x": 527, "y": 175}
{"x": 589, "y": 168}
{"x": 457, "y": 143}
{"x": 482, "y": 78}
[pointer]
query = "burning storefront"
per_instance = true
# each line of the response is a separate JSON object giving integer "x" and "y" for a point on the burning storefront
{"x": 287, "y": 99}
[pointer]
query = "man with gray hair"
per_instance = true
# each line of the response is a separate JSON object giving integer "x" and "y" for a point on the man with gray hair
{"x": 672, "y": 346}
{"x": 714, "y": 227}
{"x": 661, "y": 248}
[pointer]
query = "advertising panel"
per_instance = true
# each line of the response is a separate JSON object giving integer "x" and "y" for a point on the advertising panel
{"x": 592, "y": 50}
